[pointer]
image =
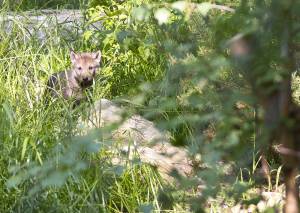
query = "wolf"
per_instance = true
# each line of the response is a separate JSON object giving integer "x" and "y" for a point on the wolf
{"x": 72, "y": 83}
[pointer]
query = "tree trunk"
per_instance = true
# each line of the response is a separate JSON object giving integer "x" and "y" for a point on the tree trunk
{"x": 292, "y": 191}
{"x": 281, "y": 115}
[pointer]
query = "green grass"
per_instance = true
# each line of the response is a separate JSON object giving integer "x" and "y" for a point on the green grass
{"x": 34, "y": 139}
{"x": 41, "y": 4}
{"x": 29, "y": 133}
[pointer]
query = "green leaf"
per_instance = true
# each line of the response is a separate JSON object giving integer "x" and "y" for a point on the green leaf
{"x": 118, "y": 170}
{"x": 179, "y": 5}
{"x": 87, "y": 35}
{"x": 162, "y": 15}
{"x": 14, "y": 181}
{"x": 140, "y": 13}
{"x": 204, "y": 8}
{"x": 9, "y": 113}
{"x": 14, "y": 169}
{"x": 56, "y": 178}
{"x": 233, "y": 139}
{"x": 146, "y": 208}
{"x": 93, "y": 147}
{"x": 24, "y": 147}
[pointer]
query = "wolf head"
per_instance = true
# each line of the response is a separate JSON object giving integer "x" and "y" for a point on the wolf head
{"x": 85, "y": 66}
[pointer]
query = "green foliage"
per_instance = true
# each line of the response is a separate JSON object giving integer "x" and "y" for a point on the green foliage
{"x": 205, "y": 90}
{"x": 171, "y": 62}
{"x": 130, "y": 51}
{"x": 41, "y": 4}
{"x": 45, "y": 167}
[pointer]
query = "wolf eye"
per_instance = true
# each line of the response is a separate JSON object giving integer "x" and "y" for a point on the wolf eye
{"x": 79, "y": 68}
{"x": 90, "y": 67}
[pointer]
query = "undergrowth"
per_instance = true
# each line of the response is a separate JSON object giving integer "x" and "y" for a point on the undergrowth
{"x": 31, "y": 132}
{"x": 175, "y": 74}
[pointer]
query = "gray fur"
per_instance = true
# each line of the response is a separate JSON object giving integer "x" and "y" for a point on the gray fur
{"x": 71, "y": 84}
{"x": 64, "y": 84}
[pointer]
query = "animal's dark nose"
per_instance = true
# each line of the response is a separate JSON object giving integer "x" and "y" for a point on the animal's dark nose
{"x": 85, "y": 79}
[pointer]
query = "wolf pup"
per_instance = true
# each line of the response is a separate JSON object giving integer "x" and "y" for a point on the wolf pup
{"x": 70, "y": 84}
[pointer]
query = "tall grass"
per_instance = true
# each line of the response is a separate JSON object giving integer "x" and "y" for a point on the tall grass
{"x": 34, "y": 138}
{"x": 29, "y": 131}
{"x": 17, "y": 5}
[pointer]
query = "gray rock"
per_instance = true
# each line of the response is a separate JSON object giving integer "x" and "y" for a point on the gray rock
{"x": 140, "y": 136}
{"x": 42, "y": 24}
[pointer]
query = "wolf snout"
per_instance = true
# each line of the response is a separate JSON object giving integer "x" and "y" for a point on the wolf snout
{"x": 86, "y": 82}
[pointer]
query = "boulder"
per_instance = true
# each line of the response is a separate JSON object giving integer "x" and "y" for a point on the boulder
{"x": 138, "y": 136}
{"x": 43, "y": 24}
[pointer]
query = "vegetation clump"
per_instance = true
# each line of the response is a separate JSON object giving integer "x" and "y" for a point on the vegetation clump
{"x": 220, "y": 78}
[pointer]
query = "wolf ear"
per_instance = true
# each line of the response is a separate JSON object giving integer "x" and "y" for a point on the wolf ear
{"x": 73, "y": 56}
{"x": 97, "y": 56}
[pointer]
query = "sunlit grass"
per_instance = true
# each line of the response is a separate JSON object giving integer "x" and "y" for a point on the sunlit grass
{"x": 30, "y": 131}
